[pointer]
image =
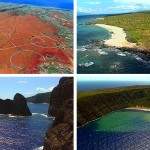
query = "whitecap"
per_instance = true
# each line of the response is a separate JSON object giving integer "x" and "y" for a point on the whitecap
{"x": 116, "y": 66}
{"x": 138, "y": 58}
{"x": 39, "y": 148}
{"x": 35, "y": 114}
{"x": 82, "y": 48}
{"x": 121, "y": 54}
{"x": 11, "y": 116}
{"x": 86, "y": 64}
{"x": 86, "y": 55}
{"x": 44, "y": 115}
{"x": 102, "y": 52}
{"x": 2, "y": 114}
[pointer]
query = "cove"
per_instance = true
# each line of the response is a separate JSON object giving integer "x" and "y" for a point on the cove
{"x": 122, "y": 129}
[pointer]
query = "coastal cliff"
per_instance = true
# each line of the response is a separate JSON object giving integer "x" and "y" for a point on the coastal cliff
{"x": 40, "y": 98}
{"x": 95, "y": 104}
{"x": 17, "y": 106}
{"x": 60, "y": 136}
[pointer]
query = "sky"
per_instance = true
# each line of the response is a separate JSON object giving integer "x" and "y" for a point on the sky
{"x": 115, "y": 77}
{"x": 111, "y": 6}
{"x": 94, "y": 82}
{"x": 27, "y": 86}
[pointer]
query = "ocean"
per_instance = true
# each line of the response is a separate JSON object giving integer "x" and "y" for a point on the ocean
{"x": 104, "y": 60}
{"x": 120, "y": 130}
{"x": 67, "y": 4}
{"x": 95, "y": 85}
{"x": 25, "y": 133}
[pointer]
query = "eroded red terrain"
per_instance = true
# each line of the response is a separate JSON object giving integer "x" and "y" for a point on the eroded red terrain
{"x": 59, "y": 16}
{"x": 25, "y": 41}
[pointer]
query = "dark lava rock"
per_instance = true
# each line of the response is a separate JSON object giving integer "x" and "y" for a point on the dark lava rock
{"x": 20, "y": 106}
{"x": 6, "y": 106}
{"x": 17, "y": 107}
{"x": 60, "y": 136}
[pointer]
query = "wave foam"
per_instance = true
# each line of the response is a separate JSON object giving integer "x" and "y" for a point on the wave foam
{"x": 11, "y": 116}
{"x": 44, "y": 115}
{"x": 39, "y": 148}
{"x": 82, "y": 48}
{"x": 102, "y": 52}
{"x": 121, "y": 54}
{"x": 86, "y": 64}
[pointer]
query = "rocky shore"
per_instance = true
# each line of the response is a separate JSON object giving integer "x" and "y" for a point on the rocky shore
{"x": 16, "y": 107}
{"x": 60, "y": 136}
{"x": 99, "y": 44}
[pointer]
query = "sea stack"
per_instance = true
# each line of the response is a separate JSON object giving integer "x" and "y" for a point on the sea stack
{"x": 20, "y": 106}
{"x": 60, "y": 136}
{"x": 16, "y": 107}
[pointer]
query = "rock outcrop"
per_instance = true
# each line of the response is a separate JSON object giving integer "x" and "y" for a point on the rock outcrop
{"x": 95, "y": 104}
{"x": 40, "y": 98}
{"x": 60, "y": 136}
{"x": 16, "y": 107}
{"x": 20, "y": 106}
{"x": 6, "y": 106}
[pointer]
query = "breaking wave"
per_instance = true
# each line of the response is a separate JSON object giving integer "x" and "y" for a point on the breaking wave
{"x": 86, "y": 64}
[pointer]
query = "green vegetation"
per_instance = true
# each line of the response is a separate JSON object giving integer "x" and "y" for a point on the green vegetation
{"x": 94, "y": 104}
{"x": 40, "y": 98}
{"x": 136, "y": 25}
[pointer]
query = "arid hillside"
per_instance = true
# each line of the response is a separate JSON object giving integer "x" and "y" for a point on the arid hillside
{"x": 32, "y": 41}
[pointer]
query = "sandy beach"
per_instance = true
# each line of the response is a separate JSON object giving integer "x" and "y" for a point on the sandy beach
{"x": 138, "y": 108}
{"x": 118, "y": 38}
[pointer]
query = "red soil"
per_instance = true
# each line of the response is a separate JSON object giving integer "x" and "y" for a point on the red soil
{"x": 59, "y": 16}
{"x": 24, "y": 40}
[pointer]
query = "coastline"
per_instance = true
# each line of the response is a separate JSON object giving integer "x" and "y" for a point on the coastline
{"x": 118, "y": 38}
{"x": 129, "y": 108}
{"x": 138, "y": 108}
{"x": 38, "y": 6}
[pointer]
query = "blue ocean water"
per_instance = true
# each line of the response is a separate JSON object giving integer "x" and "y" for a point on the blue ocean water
{"x": 85, "y": 32}
{"x": 120, "y": 130}
{"x": 94, "y": 85}
{"x": 25, "y": 133}
{"x": 67, "y": 4}
{"x": 105, "y": 60}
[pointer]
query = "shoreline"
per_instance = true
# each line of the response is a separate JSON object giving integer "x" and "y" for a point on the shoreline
{"x": 129, "y": 108}
{"x": 138, "y": 108}
{"x": 118, "y": 38}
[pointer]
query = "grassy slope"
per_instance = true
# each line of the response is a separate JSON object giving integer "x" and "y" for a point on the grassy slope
{"x": 136, "y": 25}
{"x": 94, "y": 104}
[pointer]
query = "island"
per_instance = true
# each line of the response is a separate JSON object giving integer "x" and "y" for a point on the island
{"x": 39, "y": 98}
{"x": 97, "y": 103}
{"x": 16, "y": 107}
{"x": 35, "y": 40}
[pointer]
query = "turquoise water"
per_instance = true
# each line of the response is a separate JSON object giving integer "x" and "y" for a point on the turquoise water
{"x": 25, "y": 133}
{"x": 120, "y": 130}
{"x": 105, "y": 60}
